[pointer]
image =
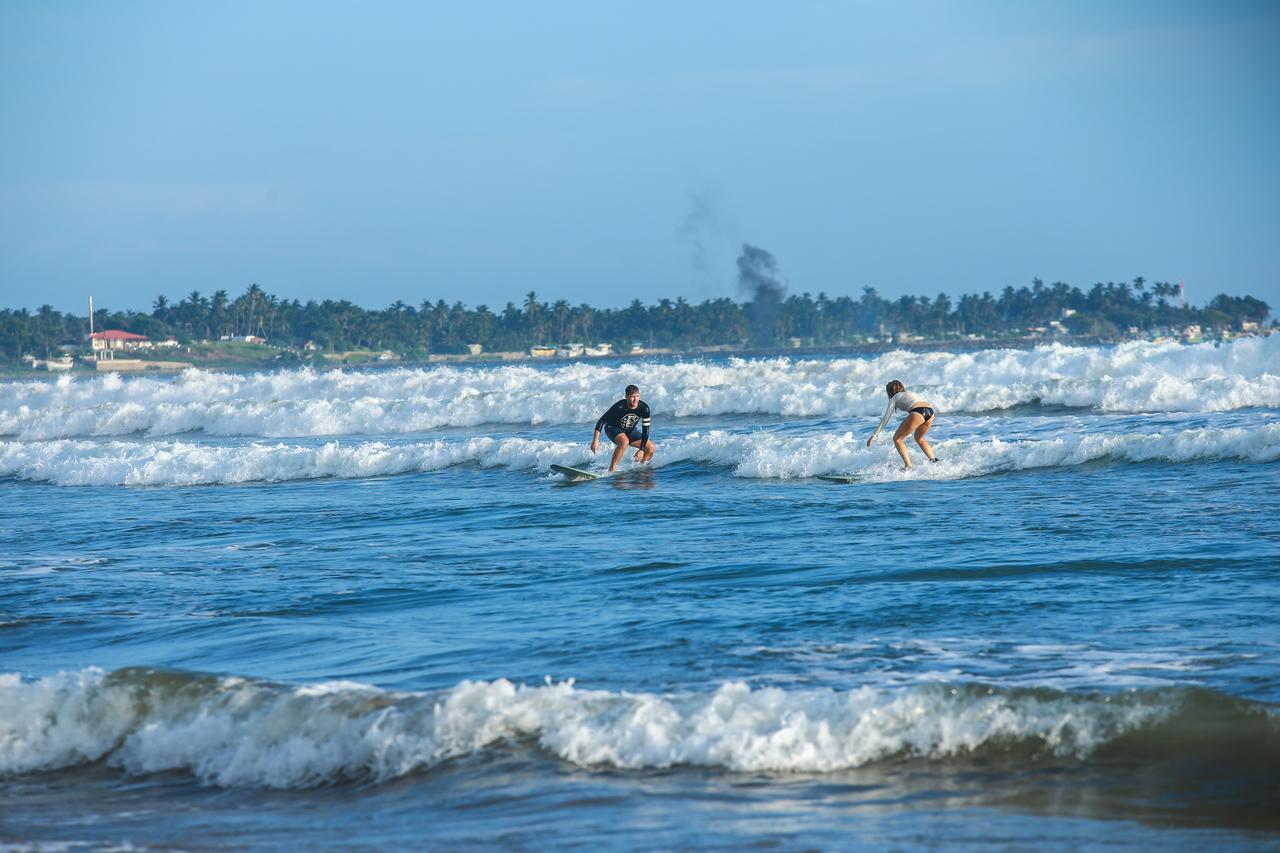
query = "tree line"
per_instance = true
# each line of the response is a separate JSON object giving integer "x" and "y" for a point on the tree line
{"x": 770, "y": 319}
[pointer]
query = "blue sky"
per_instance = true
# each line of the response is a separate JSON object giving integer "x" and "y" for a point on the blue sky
{"x": 601, "y": 152}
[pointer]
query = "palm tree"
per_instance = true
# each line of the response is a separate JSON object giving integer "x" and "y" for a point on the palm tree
{"x": 219, "y": 313}
{"x": 561, "y": 311}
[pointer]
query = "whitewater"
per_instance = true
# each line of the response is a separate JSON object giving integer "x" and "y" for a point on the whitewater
{"x": 316, "y": 605}
{"x": 1135, "y": 377}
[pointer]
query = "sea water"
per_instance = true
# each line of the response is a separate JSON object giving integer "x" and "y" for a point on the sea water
{"x": 337, "y": 608}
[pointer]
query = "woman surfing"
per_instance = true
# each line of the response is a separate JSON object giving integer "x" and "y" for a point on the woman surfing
{"x": 918, "y": 420}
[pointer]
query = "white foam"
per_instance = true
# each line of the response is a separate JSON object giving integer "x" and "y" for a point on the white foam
{"x": 767, "y": 455}
{"x": 760, "y": 454}
{"x": 1137, "y": 377}
{"x": 238, "y": 733}
{"x": 169, "y": 463}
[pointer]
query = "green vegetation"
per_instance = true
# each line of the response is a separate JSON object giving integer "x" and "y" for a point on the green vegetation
{"x": 338, "y": 329}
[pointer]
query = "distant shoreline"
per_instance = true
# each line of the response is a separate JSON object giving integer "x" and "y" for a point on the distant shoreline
{"x": 172, "y": 367}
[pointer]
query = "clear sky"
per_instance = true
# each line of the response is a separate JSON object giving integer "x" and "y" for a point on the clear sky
{"x": 600, "y": 152}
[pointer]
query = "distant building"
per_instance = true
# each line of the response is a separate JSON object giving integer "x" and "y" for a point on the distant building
{"x": 106, "y": 344}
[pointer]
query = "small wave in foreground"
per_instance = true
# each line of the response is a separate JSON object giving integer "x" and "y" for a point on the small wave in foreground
{"x": 237, "y": 732}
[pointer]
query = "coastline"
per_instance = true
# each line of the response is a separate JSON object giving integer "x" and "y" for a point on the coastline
{"x": 169, "y": 367}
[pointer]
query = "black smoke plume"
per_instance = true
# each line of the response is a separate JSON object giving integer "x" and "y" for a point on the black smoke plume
{"x": 758, "y": 281}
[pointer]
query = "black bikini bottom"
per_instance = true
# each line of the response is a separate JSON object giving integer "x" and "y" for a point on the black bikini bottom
{"x": 924, "y": 412}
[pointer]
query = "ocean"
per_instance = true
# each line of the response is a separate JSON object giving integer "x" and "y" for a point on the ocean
{"x": 355, "y": 608}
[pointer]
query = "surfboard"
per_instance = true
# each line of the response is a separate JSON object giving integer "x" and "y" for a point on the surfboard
{"x": 574, "y": 473}
{"x": 838, "y": 478}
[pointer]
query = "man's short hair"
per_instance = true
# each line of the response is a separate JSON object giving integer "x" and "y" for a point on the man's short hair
{"x": 631, "y": 389}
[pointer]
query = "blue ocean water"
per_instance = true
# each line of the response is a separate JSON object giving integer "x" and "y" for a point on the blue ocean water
{"x": 337, "y": 608}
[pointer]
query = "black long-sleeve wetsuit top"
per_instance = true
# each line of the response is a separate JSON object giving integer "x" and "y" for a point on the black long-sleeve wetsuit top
{"x": 620, "y": 417}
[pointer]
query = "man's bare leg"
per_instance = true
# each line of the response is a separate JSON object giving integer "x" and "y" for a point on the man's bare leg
{"x": 620, "y": 447}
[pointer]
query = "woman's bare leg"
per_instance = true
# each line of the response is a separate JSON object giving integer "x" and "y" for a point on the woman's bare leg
{"x": 920, "y": 438}
{"x": 910, "y": 423}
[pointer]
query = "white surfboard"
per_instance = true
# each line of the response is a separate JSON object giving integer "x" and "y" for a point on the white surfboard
{"x": 574, "y": 473}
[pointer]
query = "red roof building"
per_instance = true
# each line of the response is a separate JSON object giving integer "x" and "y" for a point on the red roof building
{"x": 115, "y": 339}
{"x": 116, "y": 335}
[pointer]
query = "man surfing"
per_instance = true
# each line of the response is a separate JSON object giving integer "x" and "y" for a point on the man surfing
{"x": 627, "y": 425}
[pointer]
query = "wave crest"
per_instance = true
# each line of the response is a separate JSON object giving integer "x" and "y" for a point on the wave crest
{"x": 763, "y": 455}
{"x": 1136, "y": 377}
{"x": 236, "y": 732}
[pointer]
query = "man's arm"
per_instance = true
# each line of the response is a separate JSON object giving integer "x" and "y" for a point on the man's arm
{"x": 601, "y": 421}
{"x": 595, "y": 438}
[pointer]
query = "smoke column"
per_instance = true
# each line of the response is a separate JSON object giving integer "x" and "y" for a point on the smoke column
{"x": 758, "y": 281}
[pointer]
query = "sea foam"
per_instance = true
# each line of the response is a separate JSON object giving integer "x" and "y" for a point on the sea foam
{"x": 756, "y": 454}
{"x": 1135, "y": 377}
{"x": 237, "y": 732}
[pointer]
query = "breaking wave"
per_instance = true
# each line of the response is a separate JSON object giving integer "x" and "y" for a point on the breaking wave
{"x": 238, "y": 732}
{"x": 760, "y": 454}
{"x": 1135, "y": 377}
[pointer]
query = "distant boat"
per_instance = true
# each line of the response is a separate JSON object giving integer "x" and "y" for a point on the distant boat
{"x": 598, "y": 349}
{"x": 64, "y": 362}
{"x": 542, "y": 351}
